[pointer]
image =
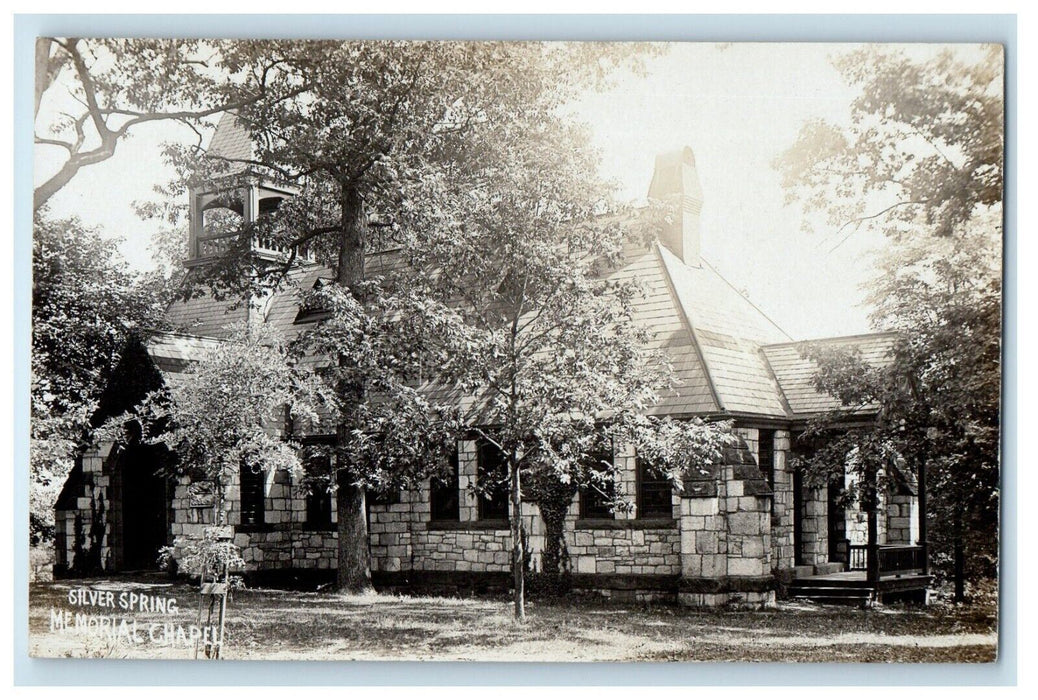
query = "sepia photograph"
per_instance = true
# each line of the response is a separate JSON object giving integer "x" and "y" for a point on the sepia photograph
{"x": 516, "y": 351}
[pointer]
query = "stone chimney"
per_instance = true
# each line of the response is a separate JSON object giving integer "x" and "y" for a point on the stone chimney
{"x": 676, "y": 180}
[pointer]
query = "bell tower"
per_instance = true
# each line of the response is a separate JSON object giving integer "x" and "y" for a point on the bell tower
{"x": 223, "y": 208}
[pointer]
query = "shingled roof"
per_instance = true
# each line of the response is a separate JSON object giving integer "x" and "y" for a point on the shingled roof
{"x": 795, "y": 372}
{"x": 728, "y": 330}
{"x": 231, "y": 141}
{"x": 728, "y": 357}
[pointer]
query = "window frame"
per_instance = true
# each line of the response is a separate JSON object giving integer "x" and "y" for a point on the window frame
{"x": 589, "y": 495}
{"x": 768, "y": 469}
{"x": 323, "y": 499}
{"x": 482, "y": 502}
{"x": 257, "y": 503}
{"x": 438, "y": 486}
{"x": 641, "y": 470}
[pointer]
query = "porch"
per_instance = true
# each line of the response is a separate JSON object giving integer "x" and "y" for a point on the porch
{"x": 897, "y": 572}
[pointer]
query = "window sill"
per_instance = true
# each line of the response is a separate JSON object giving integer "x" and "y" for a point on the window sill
{"x": 329, "y": 527}
{"x": 467, "y": 525}
{"x": 636, "y": 524}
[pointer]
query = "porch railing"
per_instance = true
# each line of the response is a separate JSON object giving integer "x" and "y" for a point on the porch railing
{"x": 857, "y": 557}
{"x": 902, "y": 559}
{"x": 894, "y": 559}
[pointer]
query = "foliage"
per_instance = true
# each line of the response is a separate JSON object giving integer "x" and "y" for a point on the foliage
{"x": 374, "y": 126}
{"x": 85, "y": 304}
{"x": 928, "y": 136}
{"x": 922, "y": 153}
{"x": 372, "y": 141}
{"x": 225, "y": 412}
{"x": 458, "y": 155}
{"x": 546, "y": 342}
{"x": 206, "y": 558}
{"x": 97, "y": 91}
{"x": 397, "y": 435}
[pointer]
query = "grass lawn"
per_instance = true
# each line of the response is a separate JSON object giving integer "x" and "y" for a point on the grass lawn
{"x": 270, "y": 624}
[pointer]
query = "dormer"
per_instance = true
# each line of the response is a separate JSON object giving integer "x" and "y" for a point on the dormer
{"x": 223, "y": 208}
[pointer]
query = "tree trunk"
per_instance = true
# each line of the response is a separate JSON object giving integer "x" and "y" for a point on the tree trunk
{"x": 923, "y": 534}
{"x": 959, "y": 573}
{"x": 354, "y": 573}
{"x": 518, "y": 594}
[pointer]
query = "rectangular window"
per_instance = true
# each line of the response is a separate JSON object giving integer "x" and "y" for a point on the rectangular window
{"x": 319, "y": 499}
{"x": 654, "y": 493}
{"x": 596, "y": 496}
{"x": 252, "y": 495}
{"x": 443, "y": 494}
{"x": 766, "y": 455}
{"x": 319, "y": 507}
{"x": 492, "y": 479}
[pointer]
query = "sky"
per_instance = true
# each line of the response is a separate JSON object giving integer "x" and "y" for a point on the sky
{"x": 737, "y": 106}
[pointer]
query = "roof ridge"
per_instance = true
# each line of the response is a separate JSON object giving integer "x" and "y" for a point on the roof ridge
{"x": 745, "y": 298}
{"x": 686, "y": 317}
{"x": 833, "y": 338}
{"x": 774, "y": 380}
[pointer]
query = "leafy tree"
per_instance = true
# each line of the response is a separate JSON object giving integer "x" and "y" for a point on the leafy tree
{"x": 101, "y": 89}
{"x": 923, "y": 151}
{"x": 85, "y": 303}
{"x": 390, "y": 436}
{"x": 548, "y": 346}
{"x": 226, "y": 411}
{"x": 368, "y": 144}
{"x": 222, "y": 416}
{"x": 926, "y": 141}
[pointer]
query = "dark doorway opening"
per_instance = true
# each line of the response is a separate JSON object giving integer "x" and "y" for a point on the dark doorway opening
{"x": 837, "y": 525}
{"x": 799, "y": 512}
{"x": 145, "y": 498}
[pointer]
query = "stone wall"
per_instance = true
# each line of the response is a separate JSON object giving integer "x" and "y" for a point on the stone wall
{"x": 403, "y": 538}
{"x": 902, "y": 519}
{"x": 783, "y": 555}
{"x": 856, "y": 520}
{"x": 726, "y": 533}
{"x": 727, "y": 536}
{"x": 84, "y": 529}
{"x": 814, "y": 526}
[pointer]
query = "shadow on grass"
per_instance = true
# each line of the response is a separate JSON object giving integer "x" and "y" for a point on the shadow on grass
{"x": 290, "y": 624}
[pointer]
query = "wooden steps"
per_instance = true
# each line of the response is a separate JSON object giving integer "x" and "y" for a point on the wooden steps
{"x": 833, "y": 591}
{"x": 850, "y": 587}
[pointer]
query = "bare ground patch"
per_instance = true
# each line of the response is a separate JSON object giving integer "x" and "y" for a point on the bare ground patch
{"x": 270, "y": 624}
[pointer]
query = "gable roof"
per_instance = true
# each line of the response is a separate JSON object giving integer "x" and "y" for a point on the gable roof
{"x": 795, "y": 372}
{"x": 727, "y": 356}
{"x": 728, "y": 331}
{"x": 659, "y": 311}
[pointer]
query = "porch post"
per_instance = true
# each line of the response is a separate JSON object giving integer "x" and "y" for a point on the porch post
{"x": 872, "y": 549}
{"x": 872, "y": 554}
{"x": 922, "y": 516}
